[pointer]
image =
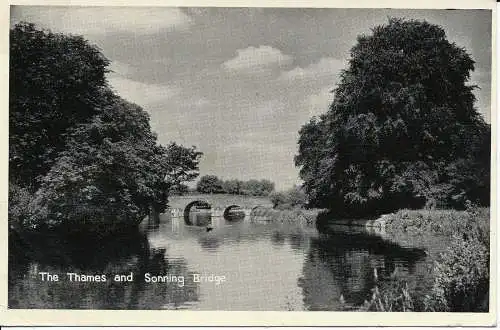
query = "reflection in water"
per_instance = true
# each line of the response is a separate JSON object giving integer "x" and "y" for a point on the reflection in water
{"x": 278, "y": 238}
{"x": 234, "y": 213}
{"x": 198, "y": 213}
{"x": 346, "y": 264}
{"x": 209, "y": 242}
{"x": 130, "y": 256}
{"x": 267, "y": 267}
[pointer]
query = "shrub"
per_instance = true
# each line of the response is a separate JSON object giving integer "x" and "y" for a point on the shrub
{"x": 292, "y": 198}
{"x": 461, "y": 278}
{"x": 462, "y": 273}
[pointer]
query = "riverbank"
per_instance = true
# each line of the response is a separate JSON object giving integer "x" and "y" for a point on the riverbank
{"x": 294, "y": 216}
{"x": 460, "y": 271}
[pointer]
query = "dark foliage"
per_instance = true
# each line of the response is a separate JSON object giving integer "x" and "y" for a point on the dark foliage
{"x": 290, "y": 199}
{"x": 56, "y": 82}
{"x": 402, "y": 130}
{"x": 209, "y": 184}
{"x": 182, "y": 166}
{"x": 80, "y": 156}
{"x": 213, "y": 184}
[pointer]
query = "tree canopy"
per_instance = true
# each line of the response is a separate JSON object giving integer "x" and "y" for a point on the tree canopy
{"x": 88, "y": 156}
{"x": 56, "y": 81}
{"x": 182, "y": 165}
{"x": 210, "y": 184}
{"x": 213, "y": 184}
{"x": 402, "y": 130}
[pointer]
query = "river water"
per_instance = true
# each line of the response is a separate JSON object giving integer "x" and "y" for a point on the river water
{"x": 235, "y": 266}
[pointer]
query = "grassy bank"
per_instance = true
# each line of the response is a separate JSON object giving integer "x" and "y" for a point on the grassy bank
{"x": 460, "y": 273}
{"x": 439, "y": 222}
{"x": 295, "y": 216}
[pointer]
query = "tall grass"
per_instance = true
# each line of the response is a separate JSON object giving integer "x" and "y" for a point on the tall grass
{"x": 461, "y": 273}
{"x": 439, "y": 222}
{"x": 293, "y": 216}
{"x": 395, "y": 299}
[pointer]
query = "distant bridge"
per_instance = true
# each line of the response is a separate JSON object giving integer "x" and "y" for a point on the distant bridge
{"x": 220, "y": 205}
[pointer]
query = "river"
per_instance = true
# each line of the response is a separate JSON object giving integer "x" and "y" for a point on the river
{"x": 236, "y": 266}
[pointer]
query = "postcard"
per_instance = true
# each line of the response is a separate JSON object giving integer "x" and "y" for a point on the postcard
{"x": 300, "y": 163}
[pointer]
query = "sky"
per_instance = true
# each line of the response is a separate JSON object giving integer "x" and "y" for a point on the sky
{"x": 238, "y": 83}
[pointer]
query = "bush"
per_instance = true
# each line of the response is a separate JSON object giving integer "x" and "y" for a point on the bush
{"x": 292, "y": 198}
{"x": 462, "y": 272}
{"x": 439, "y": 222}
{"x": 461, "y": 278}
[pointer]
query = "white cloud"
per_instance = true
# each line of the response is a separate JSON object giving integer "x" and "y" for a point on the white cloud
{"x": 325, "y": 67}
{"x": 122, "y": 69}
{"x": 253, "y": 59}
{"x": 320, "y": 101}
{"x": 141, "y": 93}
{"x": 270, "y": 110}
{"x": 91, "y": 21}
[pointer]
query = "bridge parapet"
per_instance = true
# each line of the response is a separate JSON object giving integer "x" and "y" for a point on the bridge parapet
{"x": 220, "y": 201}
{"x": 217, "y": 212}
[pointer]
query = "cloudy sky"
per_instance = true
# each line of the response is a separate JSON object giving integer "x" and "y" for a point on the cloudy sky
{"x": 237, "y": 82}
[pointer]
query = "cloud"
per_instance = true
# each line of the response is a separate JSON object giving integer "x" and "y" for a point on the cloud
{"x": 252, "y": 59}
{"x": 102, "y": 20}
{"x": 121, "y": 69}
{"x": 325, "y": 67}
{"x": 320, "y": 101}
{"x": 142, "y": 94}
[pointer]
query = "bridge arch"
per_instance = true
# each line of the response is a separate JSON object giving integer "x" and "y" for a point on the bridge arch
{"x": 228, "y": 209}
{"x": 196, "y": 203}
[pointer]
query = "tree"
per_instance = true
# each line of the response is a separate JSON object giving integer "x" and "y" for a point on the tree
{"x": 294, "y": 197}
{"x": 209, "y": 184}
{"x": 88, "y": 157}
{"x": 257, "y": 188}
{"x": 402, "y": 113}
{"x": 180, "y": 190}
{"x": 233, "y": 186}
{"x": 182, "y": 165}
{"x": 56, "y": 81}
{"x": 110, "y": 174}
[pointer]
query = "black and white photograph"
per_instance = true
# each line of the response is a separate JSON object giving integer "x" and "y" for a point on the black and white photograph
{"x": 250, "y": 159}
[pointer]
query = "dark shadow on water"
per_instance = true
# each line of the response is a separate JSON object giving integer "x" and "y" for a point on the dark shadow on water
{"x": 348, "y": 265}
{"x": 278, "y": 238}
{"x": 233, "y": 213}
{"x": 210, "y": 242}
{"x": 121, "y": 255}
{"x": 198, "y": 213}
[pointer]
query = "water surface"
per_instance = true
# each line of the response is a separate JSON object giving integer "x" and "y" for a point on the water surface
{"x": 244, "y": 266}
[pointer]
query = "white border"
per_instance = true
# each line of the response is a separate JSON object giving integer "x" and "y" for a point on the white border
{"x": 225, "y": 318}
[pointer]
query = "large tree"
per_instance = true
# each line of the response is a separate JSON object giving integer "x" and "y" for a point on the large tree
{"x": 56, "y": 81}
{"x": 112, "y": 171}
{"x": 401, "y": 125}
{"x": 84, "y": 156}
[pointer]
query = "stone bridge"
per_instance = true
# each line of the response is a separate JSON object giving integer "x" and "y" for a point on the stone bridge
{"x": 219, "y": 204}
